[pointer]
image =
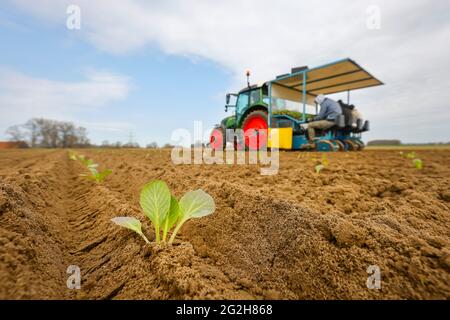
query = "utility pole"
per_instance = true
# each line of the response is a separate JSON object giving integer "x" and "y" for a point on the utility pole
{"x": 130, "y": 139}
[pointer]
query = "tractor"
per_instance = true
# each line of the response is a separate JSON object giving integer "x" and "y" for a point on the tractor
{"x": 285, "y": 105}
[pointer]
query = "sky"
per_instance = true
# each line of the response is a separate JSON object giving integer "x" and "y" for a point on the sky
{"x": 139, "y": 69}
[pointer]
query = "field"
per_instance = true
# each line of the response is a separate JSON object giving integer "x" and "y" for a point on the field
{"x": 295, "y": 235}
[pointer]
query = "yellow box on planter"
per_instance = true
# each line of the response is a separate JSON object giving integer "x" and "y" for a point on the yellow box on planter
{"x": 280, "y": 138}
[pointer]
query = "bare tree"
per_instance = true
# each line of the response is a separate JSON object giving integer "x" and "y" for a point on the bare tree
{"x": 50, "y": 134}
{"x": 83, "y": 140}
{"x": 15, "y": 133}
{"x": 152, "y": 145}
{"x": 67, "y": 134}
{"x": 33, "y": 132}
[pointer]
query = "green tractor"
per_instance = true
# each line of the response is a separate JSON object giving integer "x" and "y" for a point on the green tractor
{"x": 287, "y": 103}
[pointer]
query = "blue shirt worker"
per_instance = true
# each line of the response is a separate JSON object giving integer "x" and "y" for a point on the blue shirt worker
{"x": 329, "y": 111}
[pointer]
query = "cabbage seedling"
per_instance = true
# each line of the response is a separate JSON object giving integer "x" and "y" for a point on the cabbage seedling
{"x": 96, "y": 175}
{"x": 99, "y": 176}
{"x": 418, "y": 164}
{"x": 411, "y": 155}
{"x": 165, "y": 212}
{"x": 319, "y": 168}
{"x": 130, "y": 223}
{"x": 324, "y": 161}
{"x": 82, "y": 159}
{"x": 89, "y": 163}
{"x": 73, "y": 156}
{"x": 322, "y": 164}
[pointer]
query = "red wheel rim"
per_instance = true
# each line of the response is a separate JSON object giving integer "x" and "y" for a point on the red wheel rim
{"x": 255, "y": 130}
{"x": 216, "y": 139}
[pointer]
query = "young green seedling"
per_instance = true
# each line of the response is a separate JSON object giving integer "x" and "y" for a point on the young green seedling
{"x": 319, "y": 168}
{"x": 132, "y": 224}
{"x": 165, "y": 212}
{"x": 89, "y": 163}
{"x": 411, "y": 155}
{"x": 321, "y": 163}
{"x": 73, "y": 156}
{"x": 97, "y": 176}
{"x": 82, "y": 159}
{"x": 324, "y": 161}
{"x": 418, "y": 164}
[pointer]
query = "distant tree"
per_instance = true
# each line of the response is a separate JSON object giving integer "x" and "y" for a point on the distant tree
{"x": 82, "y": 139}
{"x": 152, "y": 145}
{"x": 131, "y": 145}
{"x": 16, "y": 133}
{"x": 392, "y": 142}
{"x": 33, "y": 132}
{"x": 67, "y": 133}
{"x": 47, "y": 133}
{"x": 106, "y": 144}
{"x": 167, "y": 146}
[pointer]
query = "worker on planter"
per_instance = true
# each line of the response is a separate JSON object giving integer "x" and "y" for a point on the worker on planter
{"x": 329, "y": 111}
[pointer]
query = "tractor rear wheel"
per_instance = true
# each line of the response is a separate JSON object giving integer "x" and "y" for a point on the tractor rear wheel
{"x": 217, "y": 139}
{"x": 255, "y": 130}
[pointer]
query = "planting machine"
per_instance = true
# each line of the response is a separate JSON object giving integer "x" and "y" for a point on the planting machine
{"x": 283, "y": 106}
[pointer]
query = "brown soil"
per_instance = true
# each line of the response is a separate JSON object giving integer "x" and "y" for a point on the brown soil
{"x": 296, "y": 235}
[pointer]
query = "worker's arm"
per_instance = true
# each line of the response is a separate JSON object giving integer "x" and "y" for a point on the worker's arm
{"x": 323, "y": 111}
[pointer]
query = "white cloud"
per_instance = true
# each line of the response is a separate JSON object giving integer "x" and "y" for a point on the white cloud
{"x": 23, "y": 97}
{"x": 409, "y": 52}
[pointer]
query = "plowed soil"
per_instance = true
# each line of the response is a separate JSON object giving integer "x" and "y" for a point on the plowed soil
{"x": 295, "y": 235}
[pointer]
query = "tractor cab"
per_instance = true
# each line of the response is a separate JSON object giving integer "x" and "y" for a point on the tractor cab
{"x": 283, "y": 106}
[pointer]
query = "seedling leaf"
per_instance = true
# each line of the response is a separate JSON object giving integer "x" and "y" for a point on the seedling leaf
{"x": 194, "y": 204}
{"x": 155, "y": 201}
{"x": 171, "y": 218}
{"x": 130, "y": 223}
{"x": 72, "y": 156}
{"x": 324, "y": 161}
{"x": 319, "y": 168}
{"x": 411, "y": 155}
{"x": 102, "y": 175}
{"x": 418, "y": 164}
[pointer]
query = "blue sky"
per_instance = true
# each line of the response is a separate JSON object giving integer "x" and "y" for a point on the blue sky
{"x": 165, "y": 91}
{"x": 148, "y": 68}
